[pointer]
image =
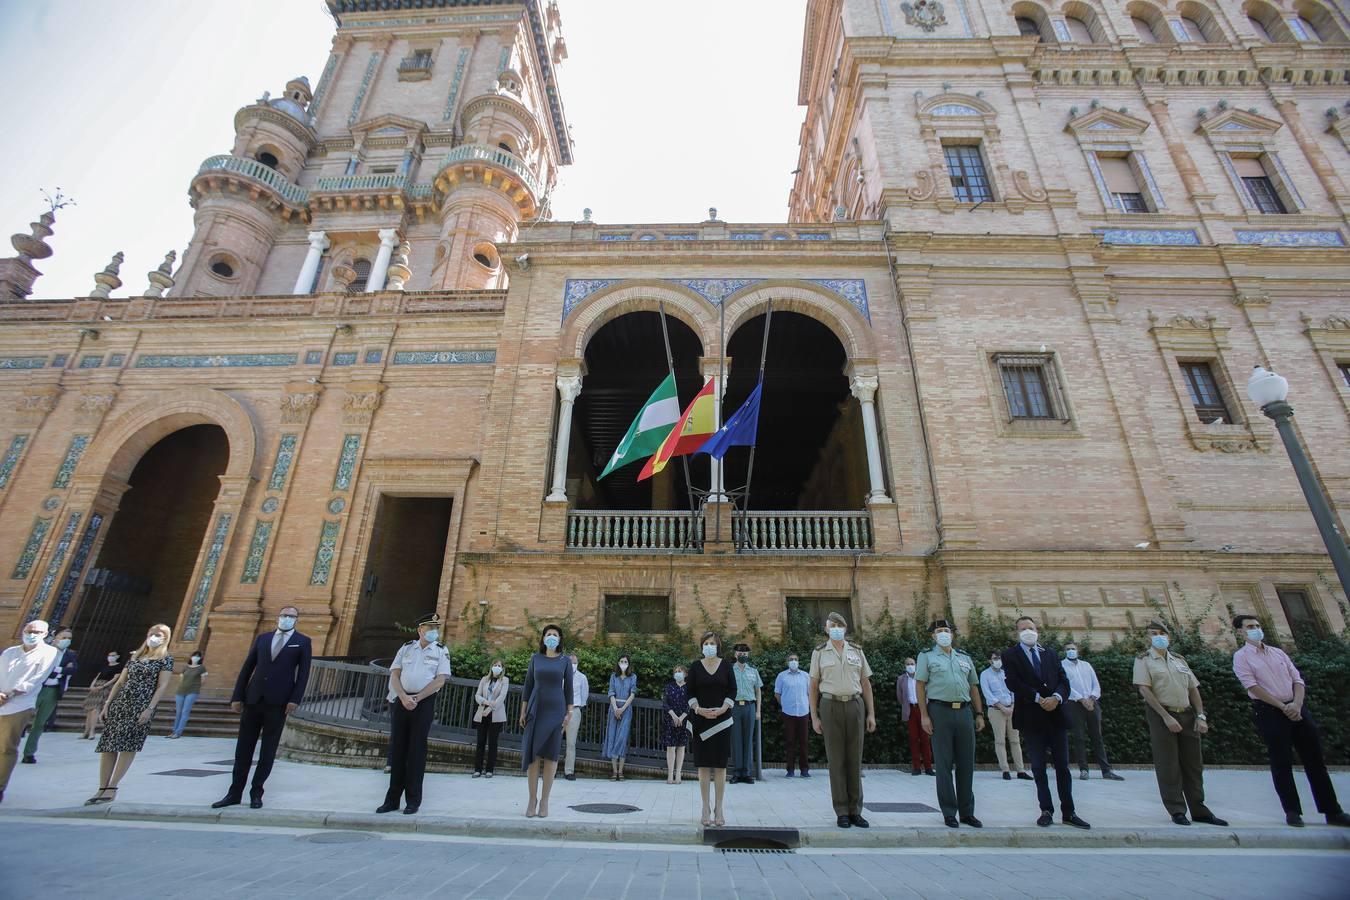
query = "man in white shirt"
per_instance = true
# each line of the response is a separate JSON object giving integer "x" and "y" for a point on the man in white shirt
{"x": 23, "y": 668}
{"x": 581, "y": 693}
{"x": 1084, "y": 710}
{"x": 999, "y": 701}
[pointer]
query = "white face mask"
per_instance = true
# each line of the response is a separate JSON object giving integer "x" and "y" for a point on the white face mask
{"x": 196, "y": 660}
{"x": 997, "y": 664}
{"x": 112, "y": 660}
{"x": 1028, "y": 636}
{"x": 63, "y": 644}
{"x": 793, "y": 664}
{"x": 431, "y": 636}
{"x": 1071, "y": 654}
{"x": 496, "y": 670}
{"x": 709, "y": 651}
{"x": 31, "y": 639}
{"x": 679, "y": 678}
{"x": 154, "y": 640}
{"x": 623, "y": 666}
{"x": 944, "y": 638}
{"x": 909, "y": 670}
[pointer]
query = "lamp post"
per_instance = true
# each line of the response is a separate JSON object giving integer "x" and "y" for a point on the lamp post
{"x": 1269, "y": 391}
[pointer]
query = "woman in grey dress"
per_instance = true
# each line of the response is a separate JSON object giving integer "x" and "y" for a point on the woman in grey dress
{"x": 546, "y": 705}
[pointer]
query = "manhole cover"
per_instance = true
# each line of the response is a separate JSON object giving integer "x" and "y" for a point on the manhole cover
{"x": 899, "y": 808}
{"x": 193, "y": 773}
{"x": 605, "y": 809}
{"x": 340, "y": 837}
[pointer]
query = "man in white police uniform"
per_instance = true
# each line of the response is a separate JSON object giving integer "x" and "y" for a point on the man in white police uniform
{"x": 419, "y": 670}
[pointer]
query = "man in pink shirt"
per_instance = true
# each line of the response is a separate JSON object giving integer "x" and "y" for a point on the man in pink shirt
{"x": 1284, "y": 722}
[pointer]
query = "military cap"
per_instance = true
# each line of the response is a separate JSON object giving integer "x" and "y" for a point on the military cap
{"x": 940, "y": 623}
{"x": 429, "y": 619}
{"x": 1157, "y": 626}
{"x": 741, "y": 648}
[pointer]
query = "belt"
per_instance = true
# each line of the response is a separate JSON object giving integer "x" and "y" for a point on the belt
{"x": 1177, "y": 709}
{"x": 953, "y": 704}
{"x": 840, "y": 698}
{"x": 743, "y": 702}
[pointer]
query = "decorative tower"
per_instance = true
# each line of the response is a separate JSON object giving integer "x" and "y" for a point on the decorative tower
{"x": 437, "y": 126}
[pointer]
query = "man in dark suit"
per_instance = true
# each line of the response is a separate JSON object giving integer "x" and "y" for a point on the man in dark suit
{"x": 54, "y": 687}
{"x": 270, "y": 686}
{"x": 1040, "y": 688}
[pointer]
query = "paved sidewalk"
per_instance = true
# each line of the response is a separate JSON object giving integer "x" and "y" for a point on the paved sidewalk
{"x": 1126, "y": 813}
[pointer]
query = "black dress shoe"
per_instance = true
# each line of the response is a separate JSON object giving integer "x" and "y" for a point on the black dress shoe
{"x": 1112, "y": 776}
{"x": 571, "y": 777}
{"x": 411, "y": 808}
{"x": 29, "y": 758}
{"x": 1024, "y": 776}
{"x": 1045, "y": 820}
{"x": 226, "y": 801}
{"x": 386, "y": 808}
{"x": 930, "y": 772}
{"x": 972, "y": 822}
{"x": 1293, "y": 819}
{"x": 1072, "y": 819}
{"x": 1007, "y": 776}
{"x": 951, "y": 821}
{"x": 1211, "y": 819}
{"x": 1339, "y": 818}
{"x": 255, "y": 803}
{"x": 859, "y": 822}
{"x": 843, "y": 822}
{"x": 916, "y": 771}
{"x": 747, "y": 780}
{"x": 1180, "y": 819}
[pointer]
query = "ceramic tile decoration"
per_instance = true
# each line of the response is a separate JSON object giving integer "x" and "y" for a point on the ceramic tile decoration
{"x": 455, "y": 83}
{"x": 208, "y": 577}
{"x": 257, "y": 549}
{"x": 313, "y": 357}
{"x": 23, "y": 362}
{"x": 337, "y": 505}
{"x": 1292, "y": 238}
{"x": 281, "y": 467}
{"x": 223, "y": 361}
{"x": 270, "y": 505}
{"x": 347, "y": 462}
{"x": 77, "y": 563}
{"x": 344, "y": 359}
{"x": 29, "y": 554}
{"x": 444, "y": 357}
{"x": 116, "y": 360}
{"x": 716, "y": 290}
{"x": 54, "y": 566}
{"x": 91, "y": 362}
{"x": 323, "y": 557}
{"x": 371, "y": 66}
{"x": 11, "y": 458}
{"x": 72, "y": 459}
{"x": 1143, "y": 236}
{"x": 374, "y": 356}
{"x": 58, "y": 361}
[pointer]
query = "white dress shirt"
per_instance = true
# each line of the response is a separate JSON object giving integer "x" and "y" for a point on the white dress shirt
{"x": 581, "y": 689}
{"x": 1082, "y": 680}
{"x": 21, "y": 676}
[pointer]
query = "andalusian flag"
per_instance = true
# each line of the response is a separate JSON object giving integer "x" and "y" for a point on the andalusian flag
{"x": 653, "y": 424}
{"x": 698, "y": 422}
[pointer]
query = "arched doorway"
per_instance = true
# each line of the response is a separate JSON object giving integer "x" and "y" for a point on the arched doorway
{"x": 144, "y": 568}
{"x": 625, "y": 361}
{"x": 811, "y": 453}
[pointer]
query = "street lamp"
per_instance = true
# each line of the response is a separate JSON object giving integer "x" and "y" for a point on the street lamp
{"x": 1269, "y": 391}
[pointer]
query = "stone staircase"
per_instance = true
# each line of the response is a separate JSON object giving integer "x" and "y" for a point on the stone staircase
{"x": 211, "y": 716}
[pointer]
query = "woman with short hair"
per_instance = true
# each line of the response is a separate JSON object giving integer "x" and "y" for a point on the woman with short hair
{"x": 98, "y": 693}
{"x": 546, "y": 705}
{"x": 674, "y": 718}
{"x": 129, "y": 709}
{"x": 489, "y": 717}
{"x": 189, "y": 686}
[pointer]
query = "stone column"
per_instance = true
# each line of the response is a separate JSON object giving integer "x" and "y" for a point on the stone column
{"x": 569, "y": 386}
{"x": 380, "y": 271}
{"x": 1181, "y": 158}
{"x": 318, "y": 242}
{"x": 1326, "y": 173}
{"x": 865, "y": 389}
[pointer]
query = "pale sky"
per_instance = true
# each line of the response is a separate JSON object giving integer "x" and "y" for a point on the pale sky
{"x": 675, "y": 107}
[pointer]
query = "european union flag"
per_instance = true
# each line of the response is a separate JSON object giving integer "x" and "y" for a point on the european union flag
{"x": 738, "y": 431}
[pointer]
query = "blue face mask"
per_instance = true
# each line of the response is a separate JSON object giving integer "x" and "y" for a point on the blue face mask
{"x": 285, "y": 623}
{"x": 1159, "y": 641}
{"x": 31, "y": 639}
{"x": 836, "y": 633}
{"x": 709, "y": 651}
{"x": 64, "y": 643}
{"x": 1256, "y": 635}
{"x": 792, "y": 664}
{"x": 551, "y": 641}
{"x": 431, "y": 636}
{"x": 1071, "y": 654}
{"x": 944, "y": 638}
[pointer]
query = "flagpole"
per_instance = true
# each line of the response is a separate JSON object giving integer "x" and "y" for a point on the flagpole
{"x": 750, "y": 467}
{"x": 670, "y": 364}
{"x": 719, "y": 479}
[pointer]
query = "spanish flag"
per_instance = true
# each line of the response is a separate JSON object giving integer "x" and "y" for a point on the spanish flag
{"x": 697, "y": 424}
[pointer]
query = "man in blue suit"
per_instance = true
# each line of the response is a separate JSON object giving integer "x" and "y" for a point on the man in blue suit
{"x": 270, "y": 686}
{"x": 1040, "y": 689}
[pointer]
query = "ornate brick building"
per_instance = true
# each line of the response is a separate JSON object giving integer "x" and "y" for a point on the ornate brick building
{"x": 1032, "y": 252}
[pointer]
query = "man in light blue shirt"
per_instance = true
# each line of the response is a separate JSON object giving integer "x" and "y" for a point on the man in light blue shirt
{"x": 999, "y": 701}
{"x": 791, "y": 688}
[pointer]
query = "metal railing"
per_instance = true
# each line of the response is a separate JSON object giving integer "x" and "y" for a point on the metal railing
{"x": 251, "y": 168}
{"x": 803, "y": 532}
{"x": 386, "y": 181}
{"x": 496, "y": 156}
{"x": 415, "y": 64}
{"x": 351, "y": 695}
{"x": 626, "y": 530}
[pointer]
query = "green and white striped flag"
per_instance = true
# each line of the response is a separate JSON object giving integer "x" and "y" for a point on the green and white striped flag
{"x": 650, "y": 428}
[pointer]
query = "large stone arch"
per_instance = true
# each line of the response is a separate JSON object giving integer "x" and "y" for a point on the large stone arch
{"x": 120, "y": 446}
{"x": 608, "y": 304}
{"x": 826, "y": 307}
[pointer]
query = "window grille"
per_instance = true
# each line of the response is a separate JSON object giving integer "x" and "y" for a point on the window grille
{"x": 1031, "y": 387}
{"x": 965, "y": 165}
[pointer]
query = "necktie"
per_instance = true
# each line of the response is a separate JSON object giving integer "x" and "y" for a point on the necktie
{"x": 1035, "y": 656}
{"x": 278, "y": 641}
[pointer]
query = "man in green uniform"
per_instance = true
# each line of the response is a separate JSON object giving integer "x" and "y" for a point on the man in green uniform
{"x": 944, "y": 676}
{"x": 841, "y": 711}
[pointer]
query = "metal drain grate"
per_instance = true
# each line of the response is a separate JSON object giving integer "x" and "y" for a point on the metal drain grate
{"x": 754, "y": 850}
{"x": 339, "y": 837}
{"x": 605, "y": 809}
{"x": 899, "y": 808}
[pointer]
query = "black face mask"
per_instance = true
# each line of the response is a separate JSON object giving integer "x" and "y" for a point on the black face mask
{"x": 742, "y": 657}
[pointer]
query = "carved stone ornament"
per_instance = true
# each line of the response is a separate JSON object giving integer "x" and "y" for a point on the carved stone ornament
{"x": 1223, "y": 444}
{"x": 923, "y": 190}
{"x": 39, "y": 401}
{"x": 927, "y": 14}
{"x": 1022, "y": 181}
{"x": 360, "y": 402}
{"x": 93, "y": 406}
{"x": 296, "y": 406}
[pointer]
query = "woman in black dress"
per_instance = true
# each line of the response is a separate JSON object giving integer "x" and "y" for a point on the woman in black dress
{"x": 712, "y": 694}
{"x": 545, "y": 707}
{"x": 129, "y": 708}
{"x": 674, "y": 736}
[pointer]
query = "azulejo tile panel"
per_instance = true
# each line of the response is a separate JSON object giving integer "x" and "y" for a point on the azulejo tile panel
{"x": 337, "y": 505}
{"x": 208, "y": 577}
{"x": 717, "y": 290}
{"x": 216, "y": 361}
{"x": 747, "y": 235}
{"x": 444, "y": 357}
{"x": 78, "y": 444}
{"x": 460, "y": 63}
{"x": 54, "y": 566}
{"x": 313, "y": 357}
{"x": 351, "y": 445}
{"x": 374, "y": 356}
{"x": 59, "y": 361}
{"x": 12, "y": 456}
{"x": 1292, "y": 238}
{"x": 23, "y": 362}
{"x": 344, "y": 359}
{"x": 270, "y": 505}
{"x": 1181, "y": 237}
{"x": 257, "y": 549}
{"x": 282, "y": 466}
{"x": 31, "y": 547}
{"x": 77, "y": 563}
{"x": 616, "y": 237}
{"x": 323, "y": 557}
{"x": 116, "y": 360}
{"x": 91, "y": 362}
{"x": 371, "y": 66}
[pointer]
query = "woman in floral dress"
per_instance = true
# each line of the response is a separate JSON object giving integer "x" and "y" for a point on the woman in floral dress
{"x": 129, "y": 709}
{"x": 674, "y": 716}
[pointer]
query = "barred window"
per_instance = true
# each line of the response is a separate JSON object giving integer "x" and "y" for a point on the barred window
{"x": 1345, "y": 372}
{"x": 362, "y": 269}
{"x": 1300, "y": 614}
{"x": 1031, "y": 386}
{"x": 1205, "y": 393}
{"x": 637, "y": 614}
{"x": 965, "y": 166}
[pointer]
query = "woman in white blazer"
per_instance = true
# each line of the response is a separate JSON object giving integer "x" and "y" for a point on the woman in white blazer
{"x": 489, "y": 717}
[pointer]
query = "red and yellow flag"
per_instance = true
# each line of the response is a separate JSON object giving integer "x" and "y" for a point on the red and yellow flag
{"x": 691, "y": 432}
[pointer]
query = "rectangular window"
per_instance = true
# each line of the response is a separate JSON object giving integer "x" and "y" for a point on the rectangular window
{"x": 1299, "y": 613}
{"x": 637, "y": 614}
{"x": 1258, "y": 184}
{"x": 1030, "y": 387}
{"x": 965, "y": 165}
{"x": 383, "y": 170}
{"x": 806, "y": 617}
{"x": 1121, "y": 184}
{"x": 1345, "y": 372}
{"x": 1205, "y": 393}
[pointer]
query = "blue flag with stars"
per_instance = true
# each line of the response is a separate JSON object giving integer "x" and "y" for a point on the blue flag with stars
{"x": 739, "y": 430}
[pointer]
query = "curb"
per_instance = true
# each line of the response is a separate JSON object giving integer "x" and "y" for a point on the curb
{"x": 877, "y": 837}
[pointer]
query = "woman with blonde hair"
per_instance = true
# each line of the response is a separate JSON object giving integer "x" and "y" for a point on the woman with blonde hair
{"x": 129, "y": 708}
{"x": 490, "y": 716}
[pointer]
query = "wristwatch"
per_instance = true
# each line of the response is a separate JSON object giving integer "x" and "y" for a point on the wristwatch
{"x": 1202, "y": 717}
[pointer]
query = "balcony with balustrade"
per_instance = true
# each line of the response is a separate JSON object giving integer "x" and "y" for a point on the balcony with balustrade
{"x": 229, "y": 174}
{"x": 493, "y": 167}
{"x": 789, "y": 532}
